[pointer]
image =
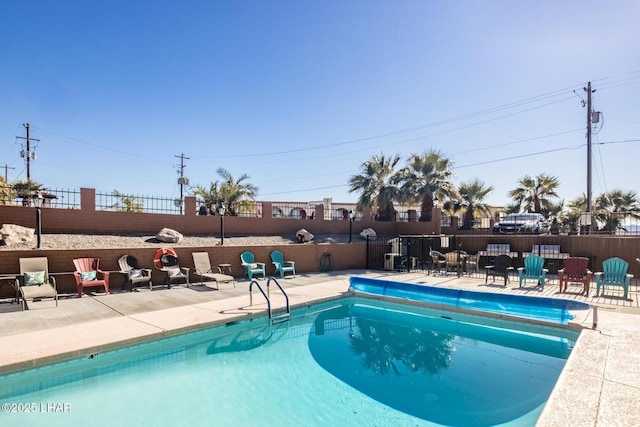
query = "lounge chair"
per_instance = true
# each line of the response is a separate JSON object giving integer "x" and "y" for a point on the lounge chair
{"x": 251, "y": 267}
{"x": 502, "y": 266}
{"x": 36, "y": 283}
{"x": 89, "y": 275}
{"x": 135, "y": 275}
{"x": 202, "y": 268}
{"x": 575, "y": 270}
{"x": 167, "y": 261}
{"x": 614, "y": 274}
{"x": 281, "y": 265}
{"x": 533, "y": 270}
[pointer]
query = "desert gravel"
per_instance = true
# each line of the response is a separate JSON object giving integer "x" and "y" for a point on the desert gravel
{"x": 102, "y": 241}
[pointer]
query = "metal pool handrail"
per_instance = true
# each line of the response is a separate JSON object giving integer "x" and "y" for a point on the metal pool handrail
{"x": 287, "y": 315}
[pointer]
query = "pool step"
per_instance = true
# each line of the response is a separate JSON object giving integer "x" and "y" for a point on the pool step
{"x": 284, "y": 317}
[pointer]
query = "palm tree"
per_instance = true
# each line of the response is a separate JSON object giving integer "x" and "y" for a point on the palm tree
{"x": 612, "y": 207}
{"x": 534, "y": 194}
{"x": 210, "y": 197}
{"x": 571, "y": 216}
{"x": 27, "y": 190}
{"x": 378, "y": 185}
{"x": 234, "y": 193}
{"x": 470, "y": 202}
{"x": 428, "y": 176}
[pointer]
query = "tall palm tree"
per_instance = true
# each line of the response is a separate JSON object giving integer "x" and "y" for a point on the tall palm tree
{"x": 235, "y": 193}
{"x": 612, "y": 207}
{"x": 378, "y": 185}
{"x": 534, "y": 194}
{"x": 428, "y": 176}
{"x": 470, "y": 201}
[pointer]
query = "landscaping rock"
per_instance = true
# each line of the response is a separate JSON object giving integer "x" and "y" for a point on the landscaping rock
{"x": 303, "y": 236}
{"x": 13, "y": 234}
{"x": 168, "y": 235}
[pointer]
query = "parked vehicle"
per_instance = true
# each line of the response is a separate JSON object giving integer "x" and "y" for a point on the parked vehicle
{"x": 522, "y": 223}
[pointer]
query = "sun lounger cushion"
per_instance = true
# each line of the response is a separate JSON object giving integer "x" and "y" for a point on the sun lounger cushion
{"x": 34, "y": 278}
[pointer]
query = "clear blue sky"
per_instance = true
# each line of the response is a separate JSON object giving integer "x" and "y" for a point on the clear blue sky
{"x": 297, "y": 94}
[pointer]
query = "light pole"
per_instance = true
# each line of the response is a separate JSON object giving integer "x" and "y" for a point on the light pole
{"x": 350, "y": 224}
{"x": 38, "y": 200}
{"x": 221, "y": 211}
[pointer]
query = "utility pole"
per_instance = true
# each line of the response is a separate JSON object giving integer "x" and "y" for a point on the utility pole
{"x": 589, "y": 113}
{"x": 6, "y": 173}
{"x": 182, "y": 180}
{"x": 29, "y": 155}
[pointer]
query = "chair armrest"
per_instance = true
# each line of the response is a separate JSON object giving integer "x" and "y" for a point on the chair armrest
{"x": 291, "y": 263}
{"x": 261, "y": 264}
{"x": 520, "y": 269}
{"x": 105, "y": 274}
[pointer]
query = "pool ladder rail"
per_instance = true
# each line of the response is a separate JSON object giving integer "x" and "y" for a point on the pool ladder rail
{"x": 283, "y": 317}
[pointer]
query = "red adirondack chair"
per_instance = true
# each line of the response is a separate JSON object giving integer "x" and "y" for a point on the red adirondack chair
{"x": 89, "y": 275}
{"x": 576, "y": 270}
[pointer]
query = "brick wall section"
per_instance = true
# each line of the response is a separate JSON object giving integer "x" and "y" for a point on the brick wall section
{"x": 306, "y": 256}
{"x": 89, "y": 221}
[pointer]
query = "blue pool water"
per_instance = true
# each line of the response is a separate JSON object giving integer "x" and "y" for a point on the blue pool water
{"x": 355, "y": 362}
{"x": 554, "y": 310}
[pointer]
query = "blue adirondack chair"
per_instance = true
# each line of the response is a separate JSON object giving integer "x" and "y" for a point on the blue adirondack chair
{"x": 250, "y": 265}
{"x": 614, "y": 274}
{"x": 533, "y": 269}
{"x": 281, "y": 265}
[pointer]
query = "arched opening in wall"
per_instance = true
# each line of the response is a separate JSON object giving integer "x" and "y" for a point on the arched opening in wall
{"x": 341, "y": 213}
{"x": 297, "y": 213}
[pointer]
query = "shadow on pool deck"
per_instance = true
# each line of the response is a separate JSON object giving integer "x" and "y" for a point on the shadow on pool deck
{"x": 600, "y": 384}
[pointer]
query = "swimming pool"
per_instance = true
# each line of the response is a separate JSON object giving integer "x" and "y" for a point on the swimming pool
{"x": 352, "y": 362}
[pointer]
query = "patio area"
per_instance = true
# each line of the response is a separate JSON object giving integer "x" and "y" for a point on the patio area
{"x": 599, "y": 385}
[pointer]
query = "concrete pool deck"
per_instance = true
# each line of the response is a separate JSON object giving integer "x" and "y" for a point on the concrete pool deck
{"x": 599, "y": 386}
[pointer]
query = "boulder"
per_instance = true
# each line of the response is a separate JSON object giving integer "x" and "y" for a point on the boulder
{"x": 13, "y": 234}
{"x": 168, "y": 235}
{"x": 368, "y": 232}
{"x": 303, "y": 236}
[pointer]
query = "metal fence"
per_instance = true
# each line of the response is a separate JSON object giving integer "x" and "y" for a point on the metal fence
{"x": 119, "y": 202}
{"x": 47, "y": 197}
{"x": 294, "y": 210}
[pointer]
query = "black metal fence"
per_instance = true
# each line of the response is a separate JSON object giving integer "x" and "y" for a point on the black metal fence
{"x": 294, "y": 210}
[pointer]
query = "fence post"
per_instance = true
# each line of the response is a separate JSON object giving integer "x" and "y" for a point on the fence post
{"x": 366, "y": 264}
